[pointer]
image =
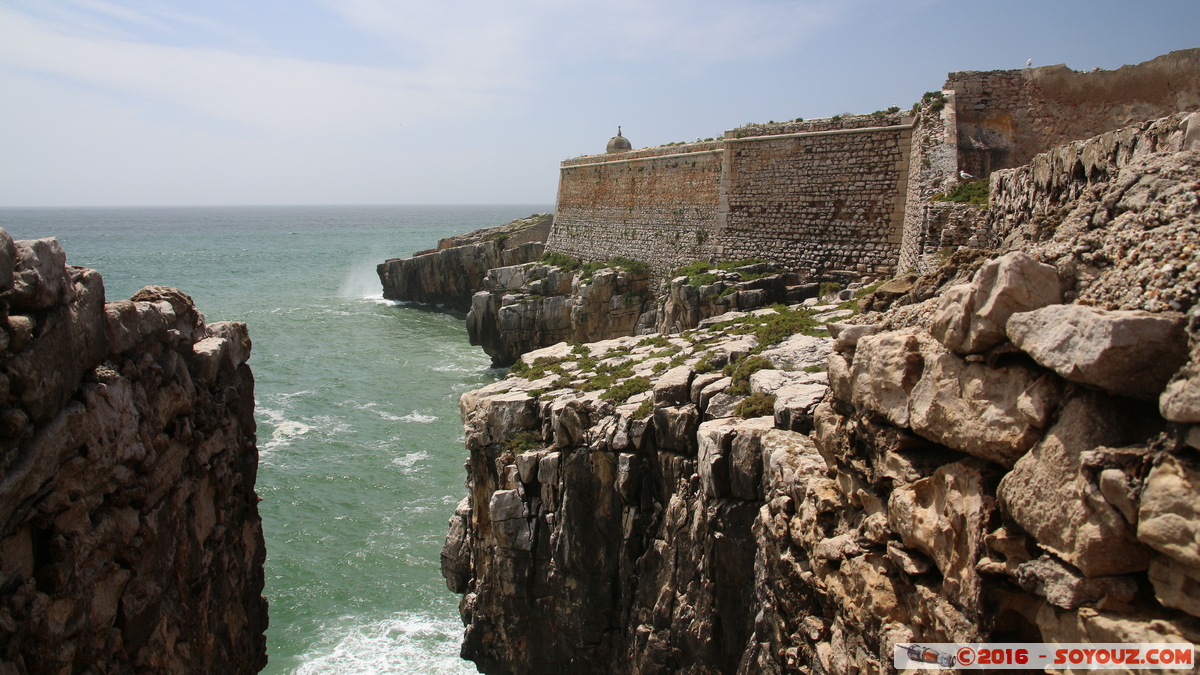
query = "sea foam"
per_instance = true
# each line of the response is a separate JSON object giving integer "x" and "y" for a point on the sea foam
{"x": 406, "y": 642}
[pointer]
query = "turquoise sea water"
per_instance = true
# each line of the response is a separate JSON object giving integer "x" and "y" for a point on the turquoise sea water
{"x": 357, "y": 406}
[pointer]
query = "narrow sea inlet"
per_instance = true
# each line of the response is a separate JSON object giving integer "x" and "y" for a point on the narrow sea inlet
{"x": 357, "y": 406}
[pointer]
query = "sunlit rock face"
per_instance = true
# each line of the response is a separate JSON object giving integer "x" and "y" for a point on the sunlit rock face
{"x": 976, "y": 463}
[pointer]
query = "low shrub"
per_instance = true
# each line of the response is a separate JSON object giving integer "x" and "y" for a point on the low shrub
{"x": 966, "y": 193}
{"x": 523, "y": 442}
{"x": 757, "y": 404}
{"x": 741, "y": 371}
{"x": 631, "y": 387}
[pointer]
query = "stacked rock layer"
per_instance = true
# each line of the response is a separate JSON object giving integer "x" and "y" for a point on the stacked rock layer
{"x": 130, "y": 538}
{"x": 1008, "y": 451}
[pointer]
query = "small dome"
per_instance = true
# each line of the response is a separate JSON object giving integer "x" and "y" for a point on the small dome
{"x": 619, "y": 143}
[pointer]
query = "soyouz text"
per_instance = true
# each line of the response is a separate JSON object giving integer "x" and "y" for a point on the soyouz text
{"x": 1037, "y": 656}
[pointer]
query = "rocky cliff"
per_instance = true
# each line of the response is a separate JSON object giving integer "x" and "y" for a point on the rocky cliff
{"x": 450, "y": 274}
{"x": 1004, "y": 450}
{"x": 129, "y": 531}
{"x": 524, "y": 307}
{"x": 530, "y": 306}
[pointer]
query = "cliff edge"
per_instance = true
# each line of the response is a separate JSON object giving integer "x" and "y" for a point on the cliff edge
{"x": 129, "y": 530}
{"x": 1005, "y": 449}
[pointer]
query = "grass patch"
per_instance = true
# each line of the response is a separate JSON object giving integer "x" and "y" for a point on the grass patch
{"x": 538, "y": 369}
{"x": 571, "y": 264}
{"x": 631, "y": 387}
{"x": 814, "y": 369}
{"x": 966, "y": 193}
{"x": 703, "y": 272}
{"x": 757, "y": 404}
{"x": 659, "y": 367}
{"x": 741, "y": 371}
{"x": 705, "y": 364}
{"x": 644, "y": 410}
{"x": 655, "y": 341}
{"x": 523, "y": 442}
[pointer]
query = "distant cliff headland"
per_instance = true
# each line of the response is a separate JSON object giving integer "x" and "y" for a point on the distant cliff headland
{"x": 784, "y": 401}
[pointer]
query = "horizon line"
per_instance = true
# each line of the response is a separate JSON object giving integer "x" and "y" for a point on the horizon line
{"x": 200, "y": 206}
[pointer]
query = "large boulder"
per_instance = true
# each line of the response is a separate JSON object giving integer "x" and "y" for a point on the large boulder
{"x": 1066, "y": 588}
{"x": 993, "y": 413}
{"x": 945, "y": 516}
{"x": 1055, "y": 498}
{"x": 1169, "y": 513}
{"x": 1176, "y": 584}
{"x": 886, "y": 368}
{"x": 971, "y": 318}
{"x": 1132, "y": 353}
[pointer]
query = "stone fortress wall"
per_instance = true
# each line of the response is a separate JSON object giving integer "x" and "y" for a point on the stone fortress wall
{"x": 836, "y": 189}
{"x": 849, "y": 197}
{"x": 659, "y": 205}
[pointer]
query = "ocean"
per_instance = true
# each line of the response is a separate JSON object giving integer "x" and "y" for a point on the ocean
{"x": 360, "y": 443}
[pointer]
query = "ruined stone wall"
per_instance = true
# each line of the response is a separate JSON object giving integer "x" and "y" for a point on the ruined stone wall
{"x": 658, "y": 206}
{"x": 818, "y": 202}
{"x": 130, "y": 539}
{"x": 933, "y": 169}
{"x": 1005, "y": 117}
{"x": 1034, "y": 195}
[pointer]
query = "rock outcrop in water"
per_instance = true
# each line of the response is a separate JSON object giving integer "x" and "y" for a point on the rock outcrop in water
{"x": 450, "y": 274}
{"x": 1008, "y": 451}
{"x": 525, "y": 307}
{"x": 130, "y": 538}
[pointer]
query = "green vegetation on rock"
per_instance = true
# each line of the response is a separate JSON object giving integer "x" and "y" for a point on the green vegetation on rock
{"x": 741, "y": 371}
{"x": 757, "y": 404}
{"x": 975, "y": 193}
{"x": 631, "y": 387}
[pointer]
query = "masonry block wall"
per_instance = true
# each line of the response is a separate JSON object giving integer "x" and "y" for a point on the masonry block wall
{"x": 819, "y": 196}
{"x": 1005, "y": 117}
{"x": 819, "y": 202}
{"x": 848, "y": 196}
{"x": 657, "y": 205}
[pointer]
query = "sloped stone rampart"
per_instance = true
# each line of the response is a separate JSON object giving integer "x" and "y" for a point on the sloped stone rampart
{"x": 659, "y": 207}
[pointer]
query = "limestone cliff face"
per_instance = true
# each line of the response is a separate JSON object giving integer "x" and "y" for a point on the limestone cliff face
{"x": 1010, "y": 451}
{"x": 129, "y": 530}
{"x": 528, "y": 307}
{"x": 450, "y": 276}
{"x": 525, "y": 307}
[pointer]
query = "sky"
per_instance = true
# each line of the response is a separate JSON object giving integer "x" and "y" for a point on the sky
{"x": 240, "y": 102}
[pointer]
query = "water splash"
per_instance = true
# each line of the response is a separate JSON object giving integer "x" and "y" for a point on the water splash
{"x": 362, "y": 282}
{"x": 406, "y": 642}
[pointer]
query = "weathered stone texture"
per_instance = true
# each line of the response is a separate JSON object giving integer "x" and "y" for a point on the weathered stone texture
{"x": 658, "y": 206}
{"x": 839, "y": 192}
{"x": 970, "y": 476}
{"x": 524, "y": 307}
{"x": 450, "y": 276}
{"x": 129, "y": 531}
{"x": 1006, "y": 117}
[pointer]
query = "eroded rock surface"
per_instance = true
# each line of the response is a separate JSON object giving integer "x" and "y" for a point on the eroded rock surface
{"x": 958, "y": 484}
{"x": 130, "y": 539}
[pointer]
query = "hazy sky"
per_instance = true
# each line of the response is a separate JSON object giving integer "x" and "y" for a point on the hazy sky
{"x": 130, "y": 102}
